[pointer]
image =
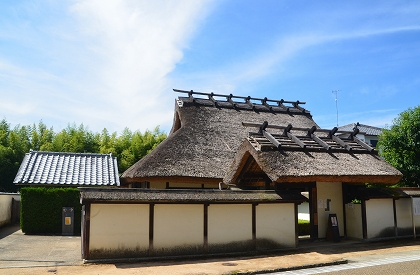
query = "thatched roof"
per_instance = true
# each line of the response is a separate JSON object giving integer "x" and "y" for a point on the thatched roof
{"x": 303, "y": 156}
{"x": 186, "y": 196}
{"x": 206, "y": 135}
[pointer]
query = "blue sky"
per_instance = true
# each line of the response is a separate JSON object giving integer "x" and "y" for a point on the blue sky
{"x": 113, "y": 64}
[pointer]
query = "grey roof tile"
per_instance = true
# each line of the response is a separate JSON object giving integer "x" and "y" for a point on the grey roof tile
{"x": 76, "y": 169}
{"x": 365, "y": 129}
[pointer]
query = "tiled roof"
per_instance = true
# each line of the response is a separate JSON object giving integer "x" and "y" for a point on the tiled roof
{"x": 366, "y": 129}
{"x": 53, "y": 168}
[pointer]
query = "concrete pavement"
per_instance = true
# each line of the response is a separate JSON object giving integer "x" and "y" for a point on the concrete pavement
{"x": 20, "y": 250}
{"x": 29, "y": 254}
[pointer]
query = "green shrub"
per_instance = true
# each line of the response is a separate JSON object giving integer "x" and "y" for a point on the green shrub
{"x": 304, "y": 227}
{"x": 41, "y": 209}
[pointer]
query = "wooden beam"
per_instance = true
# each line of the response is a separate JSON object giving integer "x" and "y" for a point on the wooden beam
{"x": 363, "y": 144}
{"x": 213, "y": 100}
{"x": 342, "y": 143}
{"x": 321, "y": 142}
{"x": 257, "y": 125}
{"x": 332, "y": 132}
{"x": 272, "y": 139}
{"x": 229, "y": 99}
{"x": 262, "y": 127}
{"x": 248, "y": 101}
{"x": 287, "y": 133}
{"x": 287, "y": 129}
{"x": 296, "y": 139}
{"x": 240, "y": 97}
{"x": 264, "y": 102}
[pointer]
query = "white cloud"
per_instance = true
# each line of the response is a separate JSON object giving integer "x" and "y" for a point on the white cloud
{"x": 138, "y": 44}
{"x": 104, "y": 63}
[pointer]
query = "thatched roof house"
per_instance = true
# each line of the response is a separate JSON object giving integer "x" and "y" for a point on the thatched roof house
{"x": 284, "y": 154}
{"x": 208, "y": 129}
{"x": 205, "y": 136}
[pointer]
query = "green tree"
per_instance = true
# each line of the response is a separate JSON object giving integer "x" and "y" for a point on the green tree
{"x": 399, "y": 145}
{"x": 129, "y": 147}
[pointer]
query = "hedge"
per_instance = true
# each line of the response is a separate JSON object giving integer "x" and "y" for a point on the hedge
{"x": 304, "y": 227}
{"x": 41, "y": 209}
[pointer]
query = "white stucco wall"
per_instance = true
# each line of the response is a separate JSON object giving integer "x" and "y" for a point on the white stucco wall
{"x": 404, "y": 215}
{"x": 329, "y": 191}
{"x": 303, "y": 211}
{"x": 276, "y": 222}
{"x": 122, "y": 230}
{"x": 178, "y": 225}
{"x": 379, "y": 216}
{"x": 6, "y": 207}
{"x": 354, "y": 221}
{"x": 229, "y": 223}
{"x": 119, "y": 226}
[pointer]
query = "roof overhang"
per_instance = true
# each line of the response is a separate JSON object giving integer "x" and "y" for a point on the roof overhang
{"x": 97, "y": 195}
{"x": 174, "y": 179}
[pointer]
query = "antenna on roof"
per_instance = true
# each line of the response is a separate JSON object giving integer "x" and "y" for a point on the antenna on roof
{"x": 336, "y": 102}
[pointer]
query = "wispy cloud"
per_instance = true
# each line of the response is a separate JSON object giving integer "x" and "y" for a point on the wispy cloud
{"x": 117, "y": 55}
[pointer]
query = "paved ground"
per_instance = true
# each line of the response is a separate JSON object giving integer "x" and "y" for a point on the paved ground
{"x": 19, "y": 250}
{"x": 28, "y": 254}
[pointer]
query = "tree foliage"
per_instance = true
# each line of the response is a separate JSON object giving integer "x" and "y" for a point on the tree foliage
{"x": 15, "y": 142}
{"x": 399, "y": 145}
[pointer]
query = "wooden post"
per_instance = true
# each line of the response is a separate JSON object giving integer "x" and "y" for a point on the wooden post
{"x": 151, "y": 227}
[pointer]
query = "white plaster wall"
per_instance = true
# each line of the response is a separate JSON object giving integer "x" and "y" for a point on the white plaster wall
{"x": 379, "y": 216}
{"x": 303, "y": 211}
{"x": 119, "y": 226}
{"x": 404, "y": 213}
{"x": 178, "y": 225}
{"x": 332, "y": 191}
{"x": 354, "y": 221}
{"x": 6, "y": 207}
{"x": 229, "y": 223}
{"x": 276, "y": 222}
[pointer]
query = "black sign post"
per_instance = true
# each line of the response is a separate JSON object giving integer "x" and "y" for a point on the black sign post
{"x": 332, "y": 230}
{"x": 68, "y": 221}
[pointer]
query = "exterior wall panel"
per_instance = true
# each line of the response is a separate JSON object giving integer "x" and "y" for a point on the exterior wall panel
{"x": 354, "y": 221}
{"x": 331, "y": 191}
{"x": 275, "y": 226}
{"x": 380, "y": 218}
{"x": 404, "y": 216}
{"x": 230, "y": 227}
{"x": 178, "y": 229}
{"x": 122, "y": 230}
{"x": 119, "y": 229}
{"x": 6, "y": 207}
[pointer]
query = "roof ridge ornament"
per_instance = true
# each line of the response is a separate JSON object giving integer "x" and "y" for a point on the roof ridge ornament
{"x": 329, "y": 142}
{"x": 246, "y": 100}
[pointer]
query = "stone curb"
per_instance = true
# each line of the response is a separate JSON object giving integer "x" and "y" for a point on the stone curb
{"x": 283, "y": 269}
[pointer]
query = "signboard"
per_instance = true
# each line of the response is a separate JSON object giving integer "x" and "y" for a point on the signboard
{"x": 67, "y": 221}
{"x": 333, "y": 233}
